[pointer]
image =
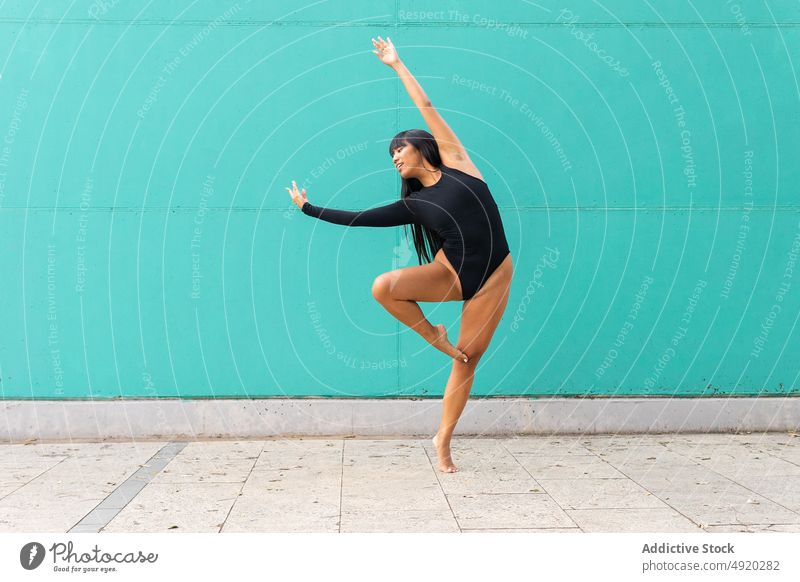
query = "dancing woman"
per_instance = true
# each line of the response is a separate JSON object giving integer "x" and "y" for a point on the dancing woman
{"x": 457, "y": 231}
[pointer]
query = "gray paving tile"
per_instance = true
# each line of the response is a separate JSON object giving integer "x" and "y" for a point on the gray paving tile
{"x": 27, "y": 468}
{"x": 732, "y": 462}
{"x": 543, "y": 530}
{"x": 287, "y": 497}
{"x": 54, "y": 510}
{"x": 525, "y": 510}
{"x": 726, "y": 505}
{"x": 98, "y": 517}
{"x": 222, "y": 449}
{"x": 8, "y": 487}
{"x": 285, "y": 513}
{"x": 600, "y": 493}
{"x": 13, "y": 460}
{"x": 789, "y": 452}
{"x": 278, "y": 523}
{"x": 304, "y": 481}
{"x": 568, "y": 467}
{"x": 676, "y": 472}
{"x": 753, "y": 528}
{"x": 537, "y": 445}
{"x": 111, "y": 505}
{"x": 704, "y": 439}
{"x": 782, "y": 490}
{"x": 653, "y": 462}
{"x": 632, "y": 520}
{"x": 397, "y": 497}
{"x": 767, "y": 437}
{"x": 399, "y": 521}
{"x": 89, "y": 529}
{"x": 184, "y": 507}
{"x": 70, "y": 489}
{"x": 484, "y": 466}
{"x": 783, "y": 484}
{"x": 701, "y": 491}
{"x": 616, "y": 443}
{"x": 636, "y": 456}
{"x": 181, "y": 470}
{"x": 686, "y": 484}
{"x": 467, "y": 482}
{"x": 317, "y": 452}
{"x": 120, "y": 497}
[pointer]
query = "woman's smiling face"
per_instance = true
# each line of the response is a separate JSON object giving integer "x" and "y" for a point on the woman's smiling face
{"x": 406, "y": 159}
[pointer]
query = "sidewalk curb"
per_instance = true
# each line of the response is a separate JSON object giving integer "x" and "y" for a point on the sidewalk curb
{"x": 22, "y": 420}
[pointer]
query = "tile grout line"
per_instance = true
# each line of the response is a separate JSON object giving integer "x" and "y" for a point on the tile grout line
{"x": 241, "y": 489}
{"x": 695, "y": 520}
{"x": 341, "y": 485}
{"x": 734, "y": 480}
{"x": 32, "y": 479}
{"x": 116, "y": 501}
{"x": 535, "y": 480}
{"x": 435, "y": 467}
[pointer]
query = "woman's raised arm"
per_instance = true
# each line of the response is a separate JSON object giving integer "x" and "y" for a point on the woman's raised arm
{"x": 449, "y": 144}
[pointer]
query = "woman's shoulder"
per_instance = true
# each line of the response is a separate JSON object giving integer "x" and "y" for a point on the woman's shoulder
{"x": 418, "y": 195}
{"x": 463, "y": 173}
{"x": 410, "y": 200}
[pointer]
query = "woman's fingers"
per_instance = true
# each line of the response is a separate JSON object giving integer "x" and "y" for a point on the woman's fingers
{"x": 299, "y": 198}
{"x": 386, "y": 51}
{"x": 381, "y": 44}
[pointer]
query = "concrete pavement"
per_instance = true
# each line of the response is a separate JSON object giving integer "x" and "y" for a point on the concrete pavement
{"x": 566, "y": 483}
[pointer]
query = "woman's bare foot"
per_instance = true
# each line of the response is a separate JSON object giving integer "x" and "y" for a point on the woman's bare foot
{"x": 445, "y": 462}
{"x": 440, "y": 342}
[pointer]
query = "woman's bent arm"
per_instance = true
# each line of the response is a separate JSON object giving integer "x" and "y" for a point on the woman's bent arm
{"x": 394, "y": 214}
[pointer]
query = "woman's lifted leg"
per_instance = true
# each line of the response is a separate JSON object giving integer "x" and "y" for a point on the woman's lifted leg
{"x": 399, "y": 290}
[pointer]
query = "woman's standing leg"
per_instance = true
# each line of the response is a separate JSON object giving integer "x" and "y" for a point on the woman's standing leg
{"x": 479, "y": 318}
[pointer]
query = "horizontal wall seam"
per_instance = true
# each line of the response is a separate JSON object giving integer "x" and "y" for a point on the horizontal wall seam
{"x": 189, "y": 209}
{"x": 390, "y": 23}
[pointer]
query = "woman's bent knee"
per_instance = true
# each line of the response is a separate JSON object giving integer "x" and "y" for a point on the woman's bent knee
{"x": 381, "y": 288}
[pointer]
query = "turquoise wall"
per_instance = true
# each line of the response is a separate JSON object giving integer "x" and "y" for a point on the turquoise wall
{"x": 644, "y": 157}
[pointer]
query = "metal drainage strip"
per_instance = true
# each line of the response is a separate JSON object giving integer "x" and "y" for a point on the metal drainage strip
{"x": 107, "y": 509}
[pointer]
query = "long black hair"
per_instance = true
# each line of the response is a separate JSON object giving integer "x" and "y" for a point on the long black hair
{"x": 426, "y": 241}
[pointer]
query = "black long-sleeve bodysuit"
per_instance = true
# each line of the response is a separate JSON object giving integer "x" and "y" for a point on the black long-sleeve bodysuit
{"x": 459, "y": 207}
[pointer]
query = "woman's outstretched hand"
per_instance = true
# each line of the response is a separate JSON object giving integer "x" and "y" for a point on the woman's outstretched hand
{"x": 386, "y": 51}
{"x": 298, "y": 198}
